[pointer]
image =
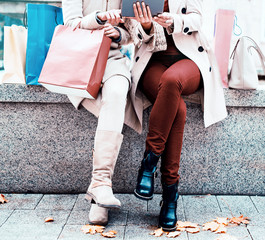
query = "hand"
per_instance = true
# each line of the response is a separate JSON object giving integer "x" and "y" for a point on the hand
{"x": 165, "y": 19}
{"x": 143, "y": 16}
{"x": 112, "y": 16}
{"x": 110, "y": 31}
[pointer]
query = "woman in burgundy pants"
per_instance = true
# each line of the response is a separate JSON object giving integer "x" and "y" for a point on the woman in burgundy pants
{"x": 170, "y": 73}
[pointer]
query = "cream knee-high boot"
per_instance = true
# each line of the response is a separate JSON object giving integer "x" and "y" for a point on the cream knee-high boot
{"x": 107, "y": 147}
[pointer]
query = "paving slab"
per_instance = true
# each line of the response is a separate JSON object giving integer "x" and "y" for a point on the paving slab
{"x": 143, "y": 233}
{"x": 130, "y": 203}
{"x": 257, "y": 220}
{"x": 145, "y": 218}
{"x": 57, "y": 202}
{"x": 116, "y": 217}
{"x": 38, "y": 217}
{"x": 259, "y": 202}
{"x": 200, "y": 203}
{"x": 257, "y": 233}
{"x": 4, "y": 214}
{"x": 21, "y": 201}
{"x": 240, "y": 204}
{"x": 73, "y": 232}
{"x": 30, "y": 231}
{"x": 81, "y": 203}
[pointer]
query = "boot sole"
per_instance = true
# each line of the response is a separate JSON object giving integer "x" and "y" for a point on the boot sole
{"x": 142, "y": 197}
{"x": 90, "y": 196}
{"x": 98, "y": 223}
{"x": 168, "y": 229}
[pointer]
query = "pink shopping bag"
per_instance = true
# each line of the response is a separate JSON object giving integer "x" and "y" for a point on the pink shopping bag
{"x": 222, "y": 40}
{"x": 76, "y": 62}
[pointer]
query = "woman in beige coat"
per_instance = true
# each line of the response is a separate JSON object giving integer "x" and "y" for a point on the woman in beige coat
{"x": 111, "y": 102}
{"x": 172, "y": 58}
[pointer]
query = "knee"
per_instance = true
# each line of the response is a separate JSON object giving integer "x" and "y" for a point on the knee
{"x": 115, "y": 95}
{"x": 171, "y": 82}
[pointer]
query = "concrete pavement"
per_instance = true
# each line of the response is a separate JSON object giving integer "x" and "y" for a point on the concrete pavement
{"x": 22, "y": 218}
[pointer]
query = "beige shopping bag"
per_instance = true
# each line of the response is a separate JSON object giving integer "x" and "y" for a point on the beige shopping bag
{"x": 15, "y": 44}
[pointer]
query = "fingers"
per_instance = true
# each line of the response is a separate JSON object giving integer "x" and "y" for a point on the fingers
{"x": 164, "y": 19}
{"x": 139, "y": 9}
{"x": 110, "y": 31}
{"x": 135, "y": 10}
{"x": 149, "y": 12}
{"x": 113, "y": 16}
{"x": 143, "y": 15}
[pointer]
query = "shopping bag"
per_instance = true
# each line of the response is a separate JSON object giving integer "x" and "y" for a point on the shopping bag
{"x": 244, "y": 71}
{"x": 223, "y": 34}
{"x": 41, "y": 20}
{"x": 15, "y": 43}
{"x": 76, "y": 62}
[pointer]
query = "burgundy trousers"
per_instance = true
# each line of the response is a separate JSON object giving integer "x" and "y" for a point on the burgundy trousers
{"x": 163, "y": 82}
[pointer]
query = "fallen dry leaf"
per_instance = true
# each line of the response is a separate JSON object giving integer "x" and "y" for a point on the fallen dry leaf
{"x": 181, "y": 229}
{"x": 157, "y": 233}
{"x": 212, "y": 226}
{"x": 49, "y": 219}
{"x": 110, "y": 234}
{"x": 223, "y": 221}
{"x": 92, "y": 229}
{"x": 187, "y": 224}
{"x": 3, "y": 199}
{"x": 239, "y": 220}
{"x": 173, "y": 234}
{"x": 221, "y": 229}
{"x": 193, "y": 230}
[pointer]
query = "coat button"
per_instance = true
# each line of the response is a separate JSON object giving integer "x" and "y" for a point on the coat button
{"x": 184, "y": 10}
{"x": 186, "y": 29}
{"x": 140, "y": 36}
{"x": 200, "y": 49}
{"x": 210, "y": 69}
{"x": 189, "y": 33}
{"x": 136, "y": 59}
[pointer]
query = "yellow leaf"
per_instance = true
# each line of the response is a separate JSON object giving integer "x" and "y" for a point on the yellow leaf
{"x": 49, "y": 219}
{"x": 173, "y": 234}
{"x": 223, "y": 221}
{"x": 187, "y": 224}
{"x": 92, "y": 229}
{"x": 181, "y": 229}
{"x": 193, "y": 230}
{"x": 212, "y": 226}
{"x": 110, "y": 234}
{"x": 221, "y": 229}
{"x": 239, "y": 220}
{"x": 3, "y": 199}
{"x": 158, "y": 232}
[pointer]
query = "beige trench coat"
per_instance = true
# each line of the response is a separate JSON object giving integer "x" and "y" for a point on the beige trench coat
{"x": 188, "y": 39}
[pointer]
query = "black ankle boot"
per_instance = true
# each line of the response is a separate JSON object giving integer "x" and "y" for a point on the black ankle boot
{"x": 145, "y": 181}
{"x": 168, "y": 216}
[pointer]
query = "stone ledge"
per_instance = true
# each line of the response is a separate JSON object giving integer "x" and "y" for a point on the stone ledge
{"x": 35, "y": 94}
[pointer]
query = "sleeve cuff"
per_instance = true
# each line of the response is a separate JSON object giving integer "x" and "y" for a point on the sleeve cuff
{"x": 142, "y": 35}
{"x": 119, "y": 39}
{"x": 100, "y": 21}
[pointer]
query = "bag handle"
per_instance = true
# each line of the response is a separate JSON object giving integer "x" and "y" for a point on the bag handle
{"x": 255, "y": 46}
{"x": 25, "y": 18}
